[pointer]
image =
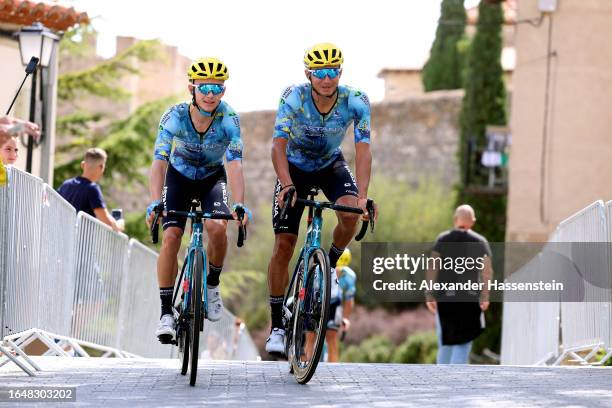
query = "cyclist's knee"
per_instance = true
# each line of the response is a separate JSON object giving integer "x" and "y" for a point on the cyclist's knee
{"x": 284, "y": 245}
{"x": 172, "y": 238}
{"x": 348, "y": 218}
{"x": 216, "y": 230}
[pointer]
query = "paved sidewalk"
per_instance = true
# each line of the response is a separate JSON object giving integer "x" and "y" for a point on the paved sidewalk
{"x": 157, "y": 382}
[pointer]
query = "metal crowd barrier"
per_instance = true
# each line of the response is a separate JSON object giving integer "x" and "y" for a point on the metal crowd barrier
{"x": 585, "y": 325}
{"x": 71, "y": 276}
{"x": 609, "y": 217}
{"x": 539, "y": 319}
{"x": 539, "y": 332}
{"x": 101, "y": 255}
{"x": 21, "y": 247}
{"x": 139, "y": 310}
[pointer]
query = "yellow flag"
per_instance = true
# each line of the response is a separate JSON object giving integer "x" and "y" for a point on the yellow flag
{"x": 2, "y": 175}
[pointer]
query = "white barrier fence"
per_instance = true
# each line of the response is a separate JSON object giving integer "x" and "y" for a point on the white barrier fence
{"x": 555, "y": 331}
{"x": 73, "y": 276}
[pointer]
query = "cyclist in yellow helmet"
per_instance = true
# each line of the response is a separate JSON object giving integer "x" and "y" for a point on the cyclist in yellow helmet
{"x": 311, "y": 123}
{"x": 193, "y": 140}
{"x": 341, "y": 305}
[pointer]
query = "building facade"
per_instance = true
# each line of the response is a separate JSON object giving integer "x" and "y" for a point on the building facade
{"x": 561, "y": 123}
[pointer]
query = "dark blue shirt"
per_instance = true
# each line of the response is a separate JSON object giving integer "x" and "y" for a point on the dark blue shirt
{"x": 83, "y": 194}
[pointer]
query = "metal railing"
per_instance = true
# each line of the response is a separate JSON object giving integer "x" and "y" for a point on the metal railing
{"x": 72, "y": 276}
{"x": 539, "y": 319}
{"x": 139, "y": 310}
{"x": 585, "y": 324}
{"x": 552, "y": 332}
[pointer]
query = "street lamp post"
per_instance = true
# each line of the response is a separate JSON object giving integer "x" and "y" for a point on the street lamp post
{"x": 35, "y": 41}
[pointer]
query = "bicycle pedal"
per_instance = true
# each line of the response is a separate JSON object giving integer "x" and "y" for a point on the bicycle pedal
{"x": 282, "y": 356}
{"x": 166, "y": 339}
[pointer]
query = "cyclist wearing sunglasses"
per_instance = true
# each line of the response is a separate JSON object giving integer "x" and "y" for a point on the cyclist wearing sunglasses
{"x": 311, "y": 122}
{"x": 188, "y": 164}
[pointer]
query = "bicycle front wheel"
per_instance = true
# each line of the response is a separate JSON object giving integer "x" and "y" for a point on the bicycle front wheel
{"x": 196, "y": 316}
{"x": 311, "y": 316}
{"x": 183, "y": 334}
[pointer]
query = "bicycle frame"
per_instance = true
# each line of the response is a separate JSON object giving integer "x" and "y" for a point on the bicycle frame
{"x": 312, "y": 241}
{"x": 195, "y": 244}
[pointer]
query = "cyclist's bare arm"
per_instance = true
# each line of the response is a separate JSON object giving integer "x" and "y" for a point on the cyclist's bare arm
{"x": 281, "y": 165}
{"x": 235, "y": 178}
{"x": 363, "y": 170}
{"x": 156, "y": 182}
{"x": 347, "y": 308}
{"x": 156, "y": 178}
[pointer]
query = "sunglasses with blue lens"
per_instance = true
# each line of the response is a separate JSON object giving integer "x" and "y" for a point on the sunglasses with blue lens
{"x": 321, "y": 73}
{"x": 205, "y": 89}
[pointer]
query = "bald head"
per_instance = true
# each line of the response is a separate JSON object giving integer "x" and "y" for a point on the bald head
{"x": 464, "y": 217}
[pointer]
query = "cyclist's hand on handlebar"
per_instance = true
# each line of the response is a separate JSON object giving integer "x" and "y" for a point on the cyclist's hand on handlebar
{"x": 362, "y": 203}
{"x": 346, "y": 324}
{"x": 151, "y": 212}
{"x": 283, "y": 193}
{"x": 248, "y": 215}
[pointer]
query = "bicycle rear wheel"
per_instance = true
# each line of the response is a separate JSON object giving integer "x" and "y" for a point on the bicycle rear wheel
{"x": 310, "y": 316}
{"x": 196, "y": 316}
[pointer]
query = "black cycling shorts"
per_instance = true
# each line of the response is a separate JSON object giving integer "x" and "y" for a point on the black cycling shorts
{"x": 331, "y": 323}
{"x": 179, "y": 191}
{"x": 335, "y": 180}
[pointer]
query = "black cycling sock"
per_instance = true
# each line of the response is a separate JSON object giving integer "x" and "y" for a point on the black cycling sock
{"x": 276, "y": 307}
{"x": 213, "y": 275}
{"x": 165, "y": 295}
{"x": 334, "y": 255}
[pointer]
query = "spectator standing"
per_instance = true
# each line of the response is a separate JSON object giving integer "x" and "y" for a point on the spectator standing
{"x": 459, "y": 322}
{"x": 85, "y": 194}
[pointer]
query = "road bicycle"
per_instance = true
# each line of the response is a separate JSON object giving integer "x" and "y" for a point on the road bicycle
{"x": 191, "y": 308}
{"x": 306, "y": 303}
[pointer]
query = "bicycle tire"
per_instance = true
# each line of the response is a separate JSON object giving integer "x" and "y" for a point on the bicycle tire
{"x": 307, "y": 297}
{"x": 291, "y": 296}
{"x": 196, "y": 316}
{"x": 183, "y": 342}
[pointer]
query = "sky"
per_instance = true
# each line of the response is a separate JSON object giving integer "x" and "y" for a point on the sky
{"x": 263, "y": 41}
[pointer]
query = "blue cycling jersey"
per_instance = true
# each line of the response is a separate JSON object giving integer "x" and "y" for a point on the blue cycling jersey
{"x": 198, "y": 155}
{"x": 314, "y": 139}
{"x": 347, "y": 281}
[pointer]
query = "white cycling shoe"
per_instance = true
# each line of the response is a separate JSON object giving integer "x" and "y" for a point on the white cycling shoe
{"x": 276, "y": 341}
{"x": 166, "y": 332}
{"x": 215, "y": 303}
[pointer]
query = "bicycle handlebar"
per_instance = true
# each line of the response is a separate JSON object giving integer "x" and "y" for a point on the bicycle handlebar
{"x": 242, "y": 233}
{"x": 336, "y": 207}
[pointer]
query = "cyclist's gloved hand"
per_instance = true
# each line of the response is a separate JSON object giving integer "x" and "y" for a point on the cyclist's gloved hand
{"x": 362, "y": 203}
{"x": 150, "y": 210}
{"x": 283, "y": 194}
{"x": 249, "y": 215}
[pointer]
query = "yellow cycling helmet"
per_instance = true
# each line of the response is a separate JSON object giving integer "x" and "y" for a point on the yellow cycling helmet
{"x": 208, "y": 68}
{"x": 344, "y": 259}
{"x": 322, "y": 54}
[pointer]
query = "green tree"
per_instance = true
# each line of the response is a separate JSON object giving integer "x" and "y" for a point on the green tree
{"x": 444, "y": 67}
{"x": 122, "y": 139}
{"x": 484, "y": 104}
{"x": 128, "y": 142}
